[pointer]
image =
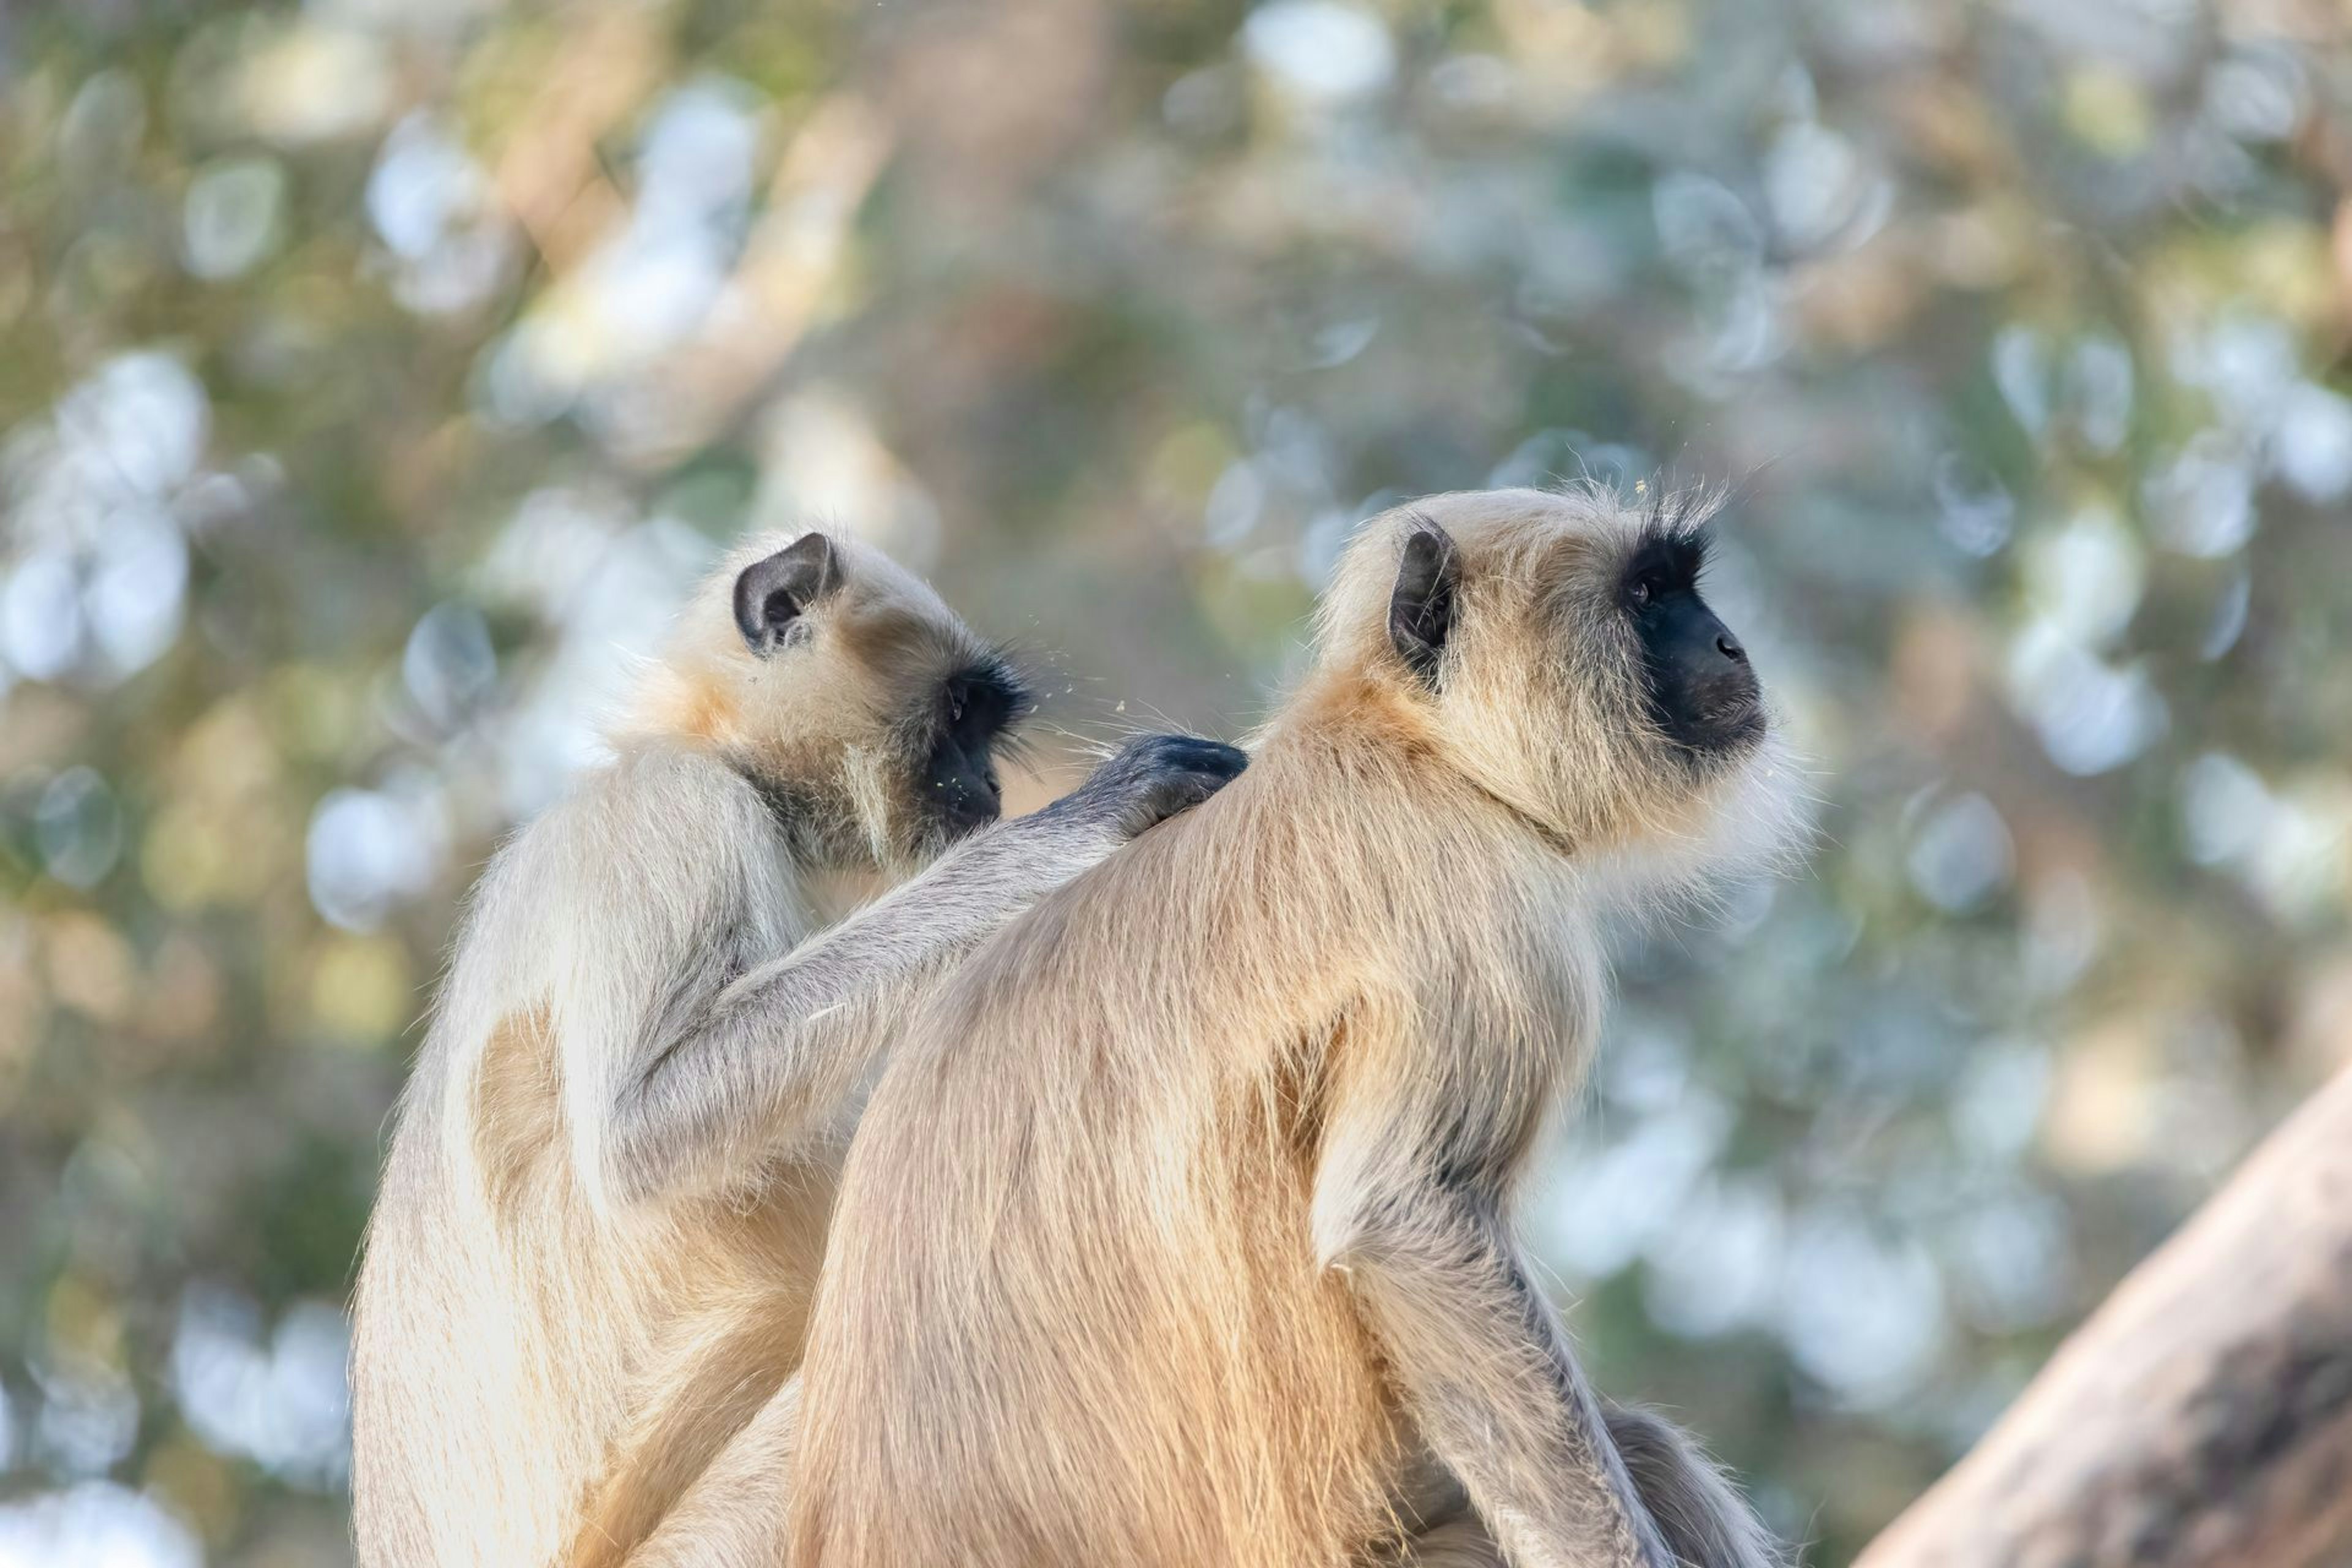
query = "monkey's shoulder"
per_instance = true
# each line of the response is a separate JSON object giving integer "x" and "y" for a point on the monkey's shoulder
{"x": 660, "y": 813}
{"x": 649, "y": 859}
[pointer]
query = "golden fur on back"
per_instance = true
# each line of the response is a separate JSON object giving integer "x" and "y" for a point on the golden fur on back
{"x": 1087, "y": 1296}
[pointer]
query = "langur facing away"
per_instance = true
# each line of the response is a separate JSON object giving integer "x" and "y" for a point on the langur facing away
{"x": 1178, "y": 1231}
{"x": 609, "y": 1181}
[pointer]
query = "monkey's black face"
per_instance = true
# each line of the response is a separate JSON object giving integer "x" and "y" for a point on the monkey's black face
{"x": 978, "y": 707}
{"x": 1701, "y": 690}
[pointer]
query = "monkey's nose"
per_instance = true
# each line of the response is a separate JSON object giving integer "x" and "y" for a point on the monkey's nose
{"x": 1728, "y": 647}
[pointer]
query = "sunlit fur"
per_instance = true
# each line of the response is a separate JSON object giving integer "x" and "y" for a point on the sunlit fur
{"x": 607, "y": 1188}
{"x": 1161, "y": 1243}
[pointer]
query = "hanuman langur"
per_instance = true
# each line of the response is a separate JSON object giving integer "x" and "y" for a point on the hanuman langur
{"x": 610, "y": 1177}
{"x": 1179, "y": 1229}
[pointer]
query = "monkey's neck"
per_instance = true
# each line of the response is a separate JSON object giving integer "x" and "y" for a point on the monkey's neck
{"x": 1400, "y": 873}
{"x": 810, "y": 803}
{"x": 818, "y": 827}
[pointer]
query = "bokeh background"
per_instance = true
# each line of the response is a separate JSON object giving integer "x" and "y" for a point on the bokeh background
{"x": 373, "y": 374}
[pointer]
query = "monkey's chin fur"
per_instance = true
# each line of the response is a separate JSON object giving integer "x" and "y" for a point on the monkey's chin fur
{"x": 1738, "y": 726}
{"x": 1749, "y": 817}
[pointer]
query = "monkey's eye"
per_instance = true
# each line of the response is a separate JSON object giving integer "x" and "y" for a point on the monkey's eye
{"x": 1643, "y": 593}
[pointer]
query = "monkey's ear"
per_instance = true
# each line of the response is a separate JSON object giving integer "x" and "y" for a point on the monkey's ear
{"x": 772, "y": 595}
{"x": 1420, "y": 608}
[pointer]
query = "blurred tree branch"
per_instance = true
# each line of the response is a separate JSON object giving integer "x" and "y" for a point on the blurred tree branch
{"x": 2203, "y": 1419}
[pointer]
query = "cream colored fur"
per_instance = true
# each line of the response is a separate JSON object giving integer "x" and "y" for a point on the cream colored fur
{"x": 1176, "y": 1232}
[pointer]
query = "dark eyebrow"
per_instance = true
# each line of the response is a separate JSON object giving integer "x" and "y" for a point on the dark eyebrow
{"x": 1678, "y": 530}
{"x": 994, "y": 679}
{"x": 1674, "y": 549}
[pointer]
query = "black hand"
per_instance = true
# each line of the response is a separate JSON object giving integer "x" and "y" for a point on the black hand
{"x": 1152, "y": 778}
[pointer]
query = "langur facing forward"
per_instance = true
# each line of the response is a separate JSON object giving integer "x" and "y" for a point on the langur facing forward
{"x": 608, "y": 1185}
{"x": 1178, "y": 1232}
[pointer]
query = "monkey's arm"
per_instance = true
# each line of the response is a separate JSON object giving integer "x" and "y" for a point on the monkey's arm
{"x": 1483, "y": 1370}
{"x": 1408, "y": 1205}
{"x": 723, "y": 1082}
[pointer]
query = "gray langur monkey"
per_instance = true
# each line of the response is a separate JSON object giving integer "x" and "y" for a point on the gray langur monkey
{"x": 609, "y": 1182}
{"x": 1178, "y": 1231}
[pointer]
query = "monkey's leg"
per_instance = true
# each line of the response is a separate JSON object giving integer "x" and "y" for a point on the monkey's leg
{"x": 734, "y": 1515}
{"x": 1700, "y": 1513}
{"x": 710, "y": 1451}
{"x": 1705, "y": 1520}
{"x": 1485, "y": 1372}
{"x": 776, "y": 1054}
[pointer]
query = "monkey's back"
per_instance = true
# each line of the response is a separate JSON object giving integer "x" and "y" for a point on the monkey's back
{"x": 504, "y": 1331}
{"x": 474, "y": 1417}
{"x": 1072, "y": 1311}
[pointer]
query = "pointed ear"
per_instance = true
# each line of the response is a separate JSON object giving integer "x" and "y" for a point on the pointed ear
{"x": 1420, "y": 608}
{"x": 772, "y": 595}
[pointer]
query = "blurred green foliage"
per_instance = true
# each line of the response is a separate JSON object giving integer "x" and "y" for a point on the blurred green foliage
{"x": 376, "y": 371}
